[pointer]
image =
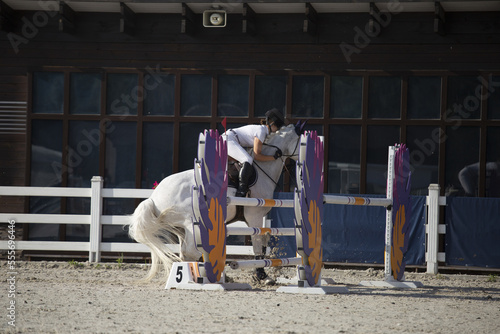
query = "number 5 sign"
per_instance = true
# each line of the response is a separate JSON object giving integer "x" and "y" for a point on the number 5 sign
{"x": 184, "y": 274}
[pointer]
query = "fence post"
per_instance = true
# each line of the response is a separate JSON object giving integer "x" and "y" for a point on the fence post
{"x": 95, "y": 219}
{"x": 432, "y": 229}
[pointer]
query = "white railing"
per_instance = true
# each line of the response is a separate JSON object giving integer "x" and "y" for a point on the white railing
{"x": 433, "y": 229}
{"x": 96, "y": 220}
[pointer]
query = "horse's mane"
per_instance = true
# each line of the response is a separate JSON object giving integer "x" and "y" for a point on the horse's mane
{"x": 282, "y": 132}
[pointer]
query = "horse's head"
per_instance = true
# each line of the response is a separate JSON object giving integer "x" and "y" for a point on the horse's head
{"x": 287, "y": 139}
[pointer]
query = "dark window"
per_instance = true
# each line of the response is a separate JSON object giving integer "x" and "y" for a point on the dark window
{"x": 384, "y": 97}
{"x": 85, "y": 93}
{"x": 83, "y": 164}
{"x": 424, "y": 97}
{"x": 157, "y": 152}
{"x": 46, "y": 153}
{"x": 196, "y": 95}
{"x": 189, "y": 134}
{"x": 307, "y": 96}
{"x": 462, "y": 161}
{"x": 462, "y": 101}
{"x": 120, "y": 172}
{"x": 378, "y": 142}
{"x": 493, "y": 96}
{"x": 159, "y": 94}
{"x": 46, "y": 171}
{"x": 123, "y": 94}
{"x": 83, "y": 152}
{"x": 232, "y": 99}
{"x": 121, "y": 142}
{"x": 270, "y": 92}
{"x": 423, "y": 143}
{"x": 48, "y": 92}
{"x": 346, "y": 97}
{"x": 66, "y": 109}
{"x": 493, "y": 162}
{"x": 344, "y": 152}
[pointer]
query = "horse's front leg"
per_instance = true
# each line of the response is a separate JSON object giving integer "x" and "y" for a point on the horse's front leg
{"x": 259, "y": 243}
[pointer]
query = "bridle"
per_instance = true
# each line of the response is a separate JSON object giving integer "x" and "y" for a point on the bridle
{"x": 283, "y": 161}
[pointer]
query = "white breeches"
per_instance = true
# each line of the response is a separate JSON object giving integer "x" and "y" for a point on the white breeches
{"x": 235, "y": 151}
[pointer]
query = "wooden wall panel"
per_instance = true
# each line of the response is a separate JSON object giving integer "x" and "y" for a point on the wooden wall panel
{"x": 407, "y": 42}
{"x": 12, "y": 146}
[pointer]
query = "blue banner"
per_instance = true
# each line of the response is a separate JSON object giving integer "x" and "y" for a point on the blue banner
{"x": 472, "y": 231}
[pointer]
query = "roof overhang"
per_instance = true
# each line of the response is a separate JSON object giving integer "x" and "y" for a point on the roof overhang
{"x": 258, "y": 6}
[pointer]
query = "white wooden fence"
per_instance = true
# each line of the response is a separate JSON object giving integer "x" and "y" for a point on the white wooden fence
{"x": 96, "y": 220}
{"x": 433, "y": 229}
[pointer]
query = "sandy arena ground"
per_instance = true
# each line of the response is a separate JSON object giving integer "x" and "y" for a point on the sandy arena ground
{"x": 63, "y": 297}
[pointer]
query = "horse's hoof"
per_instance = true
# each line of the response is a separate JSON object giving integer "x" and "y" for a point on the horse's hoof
{"x": 264, "y": 281}
{"x": 262, "y": 277}
{"x": 269, "y": 281}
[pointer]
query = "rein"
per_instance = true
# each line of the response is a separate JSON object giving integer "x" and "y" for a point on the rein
{"x": 286, "y": 156}
{"x": 289, "y": 155}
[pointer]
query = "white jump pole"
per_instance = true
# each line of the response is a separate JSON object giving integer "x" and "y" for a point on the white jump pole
{"x": 327, "y": 199}
{"x": 265, "y": 263}
{"x": 290, "y": 231}
{"x": 264, "y": 202}
{"x": 349, "y": 200}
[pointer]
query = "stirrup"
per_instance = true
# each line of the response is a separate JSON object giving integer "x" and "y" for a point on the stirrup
{"x": 241, "y": 193}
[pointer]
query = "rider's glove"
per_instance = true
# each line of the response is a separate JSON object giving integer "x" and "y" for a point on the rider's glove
{"x": 278, "y": 154}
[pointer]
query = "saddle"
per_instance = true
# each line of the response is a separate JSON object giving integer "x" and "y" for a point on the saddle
{"x": 233, "y": 171}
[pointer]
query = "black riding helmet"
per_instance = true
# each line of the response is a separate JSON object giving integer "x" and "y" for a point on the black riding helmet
{"x": 275, "y": 116}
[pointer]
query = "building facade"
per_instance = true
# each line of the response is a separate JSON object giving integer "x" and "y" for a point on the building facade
{"x": 122, "y": 89}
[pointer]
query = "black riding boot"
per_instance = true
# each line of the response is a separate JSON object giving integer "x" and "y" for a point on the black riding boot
{"x": 245, "y": 173}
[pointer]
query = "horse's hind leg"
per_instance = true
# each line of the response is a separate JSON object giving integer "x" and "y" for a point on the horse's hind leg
{"x": 189, "y": 252}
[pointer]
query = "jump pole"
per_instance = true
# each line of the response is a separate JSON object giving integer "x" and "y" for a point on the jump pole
{"x": 348, "y": 200}
{"x": 266, "y": 263}
{"x": 282, "y": 231}
{"x": 264, "y": 202}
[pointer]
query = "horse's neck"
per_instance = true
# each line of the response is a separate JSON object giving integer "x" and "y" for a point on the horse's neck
{"x": 269, "y": 172}
{"x": 268, "y": 178}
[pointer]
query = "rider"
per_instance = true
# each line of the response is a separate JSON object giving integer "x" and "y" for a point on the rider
{"x": 252, "y": 136}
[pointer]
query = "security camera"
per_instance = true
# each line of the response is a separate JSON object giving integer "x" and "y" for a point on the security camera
{"x": 214, "y": 18}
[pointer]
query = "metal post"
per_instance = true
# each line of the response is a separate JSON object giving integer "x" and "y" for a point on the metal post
{"x": 432, "y": 229}
{"x": 95, "y": 219}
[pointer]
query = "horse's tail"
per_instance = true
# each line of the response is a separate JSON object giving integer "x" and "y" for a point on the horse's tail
{"x": 145, "y": 227}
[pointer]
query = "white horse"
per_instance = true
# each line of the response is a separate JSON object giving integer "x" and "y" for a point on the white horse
{"x": 168, "y": 212}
